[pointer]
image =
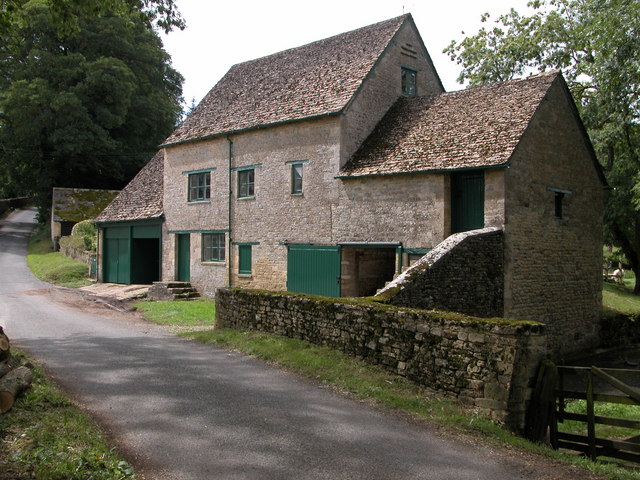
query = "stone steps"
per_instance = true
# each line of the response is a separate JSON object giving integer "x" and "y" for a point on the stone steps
{"x": 173, "y": 291}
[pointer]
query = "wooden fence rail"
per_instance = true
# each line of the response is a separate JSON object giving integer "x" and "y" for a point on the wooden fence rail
{"x": 594, "y": 385}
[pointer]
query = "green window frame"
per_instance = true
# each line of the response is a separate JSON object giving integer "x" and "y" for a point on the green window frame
{"x": 213, "y": 247}
{"x": 246, "y": 183}
{"x": 409, "y": 82}
{"x": 244, "y": 259}
{"x": 296, "y": 178}
{"x": 199, "y": 186}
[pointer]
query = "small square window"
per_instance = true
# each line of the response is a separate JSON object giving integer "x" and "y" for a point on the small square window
{"x": 246, "y": 183}
{"x": 409, "y": 82}
{"x": 244, "y": 259}
{"x": 296, "y": 178}
{"x": 199, "y": 186}
{"x": 213, "y": 248}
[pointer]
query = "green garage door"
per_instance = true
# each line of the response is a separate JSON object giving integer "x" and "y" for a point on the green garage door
{"x": 314, "y": 269}
{"x": 117, "y": 256}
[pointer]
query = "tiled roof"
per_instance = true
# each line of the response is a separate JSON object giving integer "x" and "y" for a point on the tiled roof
{"x": 476, "y": 127}
{"x": 313, "y": 80}
{"x": 141, "y": 198}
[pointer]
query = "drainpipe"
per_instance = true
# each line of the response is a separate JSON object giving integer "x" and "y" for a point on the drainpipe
{"x": 230, "y": 198}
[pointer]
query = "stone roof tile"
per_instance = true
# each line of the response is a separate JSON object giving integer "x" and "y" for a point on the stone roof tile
{"x": 308, "y": 81}
{"x": 476, "y": 127}
{"x": 141, "y": 199}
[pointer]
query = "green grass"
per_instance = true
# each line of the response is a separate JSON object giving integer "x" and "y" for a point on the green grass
{"x": 604, "y": 409}
{"x": 53, "y": 267}
{"x": 620, "y": 297}
{"x": 181, "y": 313}
{"x": 44, "y": 436}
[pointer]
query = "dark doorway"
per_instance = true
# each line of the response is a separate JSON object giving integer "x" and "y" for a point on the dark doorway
{"x": 146, "y": 260}
{"x": 366, "y": 269}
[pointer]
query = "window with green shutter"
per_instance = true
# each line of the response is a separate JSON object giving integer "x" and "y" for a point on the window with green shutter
{"x": 244, "y": 259}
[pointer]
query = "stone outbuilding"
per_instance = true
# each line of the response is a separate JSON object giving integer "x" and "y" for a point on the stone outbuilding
{"x": 72, "y": 205}
{"x": 332, "y": 167}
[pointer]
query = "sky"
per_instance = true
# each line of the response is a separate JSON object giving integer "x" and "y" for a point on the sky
{"x": 221, "y": 33}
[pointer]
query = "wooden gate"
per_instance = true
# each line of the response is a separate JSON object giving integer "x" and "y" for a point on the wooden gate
{"x": 594, "y": 385}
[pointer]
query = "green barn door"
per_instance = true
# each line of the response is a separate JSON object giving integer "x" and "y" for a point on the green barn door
{"x": 467, "y": 201}
{"x": 314, "y": 269}
{"x": 184, "y": 257}
{"x": 117, "y": 261}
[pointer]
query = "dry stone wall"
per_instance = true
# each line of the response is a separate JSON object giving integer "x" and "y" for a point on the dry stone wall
{"x": 485, "y": 363}
{"x": 464, "y": 273}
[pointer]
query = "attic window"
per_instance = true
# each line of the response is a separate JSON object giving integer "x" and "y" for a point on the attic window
{"x": 558, "y": 200}
{"x": 409, "y": 80}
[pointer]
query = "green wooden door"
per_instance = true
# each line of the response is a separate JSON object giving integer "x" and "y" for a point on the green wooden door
{"x": 467, "y": 201}
{"x": 314, "y": 269}
{"x": 117, "y": 260}
{"x": 184, "y": 258}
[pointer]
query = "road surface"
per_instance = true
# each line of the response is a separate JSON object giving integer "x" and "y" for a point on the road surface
{"x": 181, "y": 410}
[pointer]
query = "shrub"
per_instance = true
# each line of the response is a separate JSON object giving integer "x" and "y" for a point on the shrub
{"x": 86, "y": 230}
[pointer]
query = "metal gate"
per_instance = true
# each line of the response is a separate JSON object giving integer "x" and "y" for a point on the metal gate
{"x": 314, "y": 269}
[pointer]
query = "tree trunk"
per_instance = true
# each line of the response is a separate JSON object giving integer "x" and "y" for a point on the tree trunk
{"x": 4, "y": 345}
{"x": 628, "y": 248}
{"x": 11, "y": 385}
{"x": 9, "y": 364}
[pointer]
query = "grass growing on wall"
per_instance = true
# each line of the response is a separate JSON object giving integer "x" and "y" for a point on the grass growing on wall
{"x": 53, "y": 267}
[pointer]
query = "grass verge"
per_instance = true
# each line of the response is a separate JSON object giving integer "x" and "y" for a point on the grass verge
{"x": 53, "y": 267}
{"x": 376, "y": 386}
{"x": 180, "y": 314}
{"x": 44, "y": 436}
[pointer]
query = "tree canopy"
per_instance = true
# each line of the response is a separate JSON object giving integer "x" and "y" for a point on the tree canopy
{"x": 596, "y": 44}
{"x": 83, "y": 103}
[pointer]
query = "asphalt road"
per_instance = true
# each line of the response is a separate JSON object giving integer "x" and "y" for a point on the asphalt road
{"x": 182, "y": 410}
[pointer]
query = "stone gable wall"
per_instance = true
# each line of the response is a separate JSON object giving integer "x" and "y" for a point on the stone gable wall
{"x": 488, "y": 364}
{"x": 383, "y": 87}
{"x": 463, "y": 274}
{"x": 553, "y": 266}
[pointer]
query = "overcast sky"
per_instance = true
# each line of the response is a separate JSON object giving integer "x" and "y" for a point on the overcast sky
{"x": 220, "y": 34}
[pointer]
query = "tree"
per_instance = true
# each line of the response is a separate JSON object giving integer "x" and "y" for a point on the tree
{"x": 596, "y": 44}
{"x": 81, "y": 107}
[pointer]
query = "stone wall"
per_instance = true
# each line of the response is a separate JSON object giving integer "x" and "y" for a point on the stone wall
{"x": 485, "y": 363}
{"x": 463, "y": 274}
{"x": 553, "y": 265}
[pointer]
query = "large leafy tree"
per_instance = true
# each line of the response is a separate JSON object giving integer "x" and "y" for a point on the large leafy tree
{"x": 84, "y": 101}
{"x": 596, "y": 44}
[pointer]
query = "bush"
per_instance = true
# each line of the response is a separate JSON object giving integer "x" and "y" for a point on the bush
{"x": 86, "y": 230}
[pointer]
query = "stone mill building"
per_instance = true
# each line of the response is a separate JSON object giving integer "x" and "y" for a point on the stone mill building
{"x": 331, "y": 167}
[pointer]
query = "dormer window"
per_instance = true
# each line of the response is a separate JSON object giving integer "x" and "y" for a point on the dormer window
{"x": 409, "y": 81}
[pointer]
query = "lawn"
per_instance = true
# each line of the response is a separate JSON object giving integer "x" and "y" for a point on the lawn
{"x": 180, "y": 313}
{"x": 53, "y": 267}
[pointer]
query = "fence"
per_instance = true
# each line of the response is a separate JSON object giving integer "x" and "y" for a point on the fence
{"x": 558, "y": 385}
